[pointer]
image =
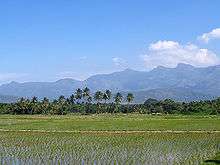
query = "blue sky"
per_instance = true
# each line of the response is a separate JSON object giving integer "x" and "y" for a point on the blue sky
{"x": 46, "y": 40}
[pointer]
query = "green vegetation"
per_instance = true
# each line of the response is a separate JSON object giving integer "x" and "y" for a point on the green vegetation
{"x": 83, "y": 102}
{"x": 105, "y": 148}
{"x": 112, "y": 130}
{"x": 108, "y": 139}
{"x": 108, "y": 122}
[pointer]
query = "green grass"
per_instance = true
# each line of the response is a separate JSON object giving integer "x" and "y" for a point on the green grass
{"x": 107, "y": 122}
{"x": 91, "y": 143}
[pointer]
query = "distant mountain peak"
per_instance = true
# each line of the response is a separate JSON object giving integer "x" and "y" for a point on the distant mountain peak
{"x": 12, "y": 83}
{"x": 66, "y": 80}
{"x": 161, "y": 67}
{"x": 179, "y": 66}
{"x": 184, "y": 65}
{"x": 129, "y": 70}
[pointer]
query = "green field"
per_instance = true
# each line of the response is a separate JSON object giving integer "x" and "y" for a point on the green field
{"x": 108, "y": 139}
{"x": 131, "y": 122}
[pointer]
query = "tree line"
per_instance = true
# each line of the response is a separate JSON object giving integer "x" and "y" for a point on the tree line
{"x": 84, "y": 102}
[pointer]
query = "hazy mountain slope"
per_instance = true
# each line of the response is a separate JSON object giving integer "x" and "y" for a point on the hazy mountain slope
{"x": 178, "y": 94}
{"x": 8, "y": 99}
{"x": 41, "y": 89}
{"x": 209, "y": 81}
{"x": 185, "y": 76}
{"x": 118, "y": 81}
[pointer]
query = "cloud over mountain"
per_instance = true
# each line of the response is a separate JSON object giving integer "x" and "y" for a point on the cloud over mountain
{"x": 119, "y": 62}
{"x": 170, "y": 53}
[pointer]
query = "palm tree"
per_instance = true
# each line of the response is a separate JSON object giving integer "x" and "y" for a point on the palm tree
{"x": 34, "y": 106}
{"x": 98, "y": 96}
{"x": 86, "y": 93}
{"x": 61, "y": 99}
{"x": 61, "y": 106}
{"x": 78, "y": 95}
{"x": 105, "y": 97}
{"x": 89, "y": 99}
{"x": 34, "y": 100}
{"x": 22, "y": 106}
{"x": 130, "y": 98}
{"x": 45, "y": 100}
{"x": 72, "y": 99}
{"x": 109, "y": 94}
{"x": 45, "y": 105}
{"x": 118, "y": 98}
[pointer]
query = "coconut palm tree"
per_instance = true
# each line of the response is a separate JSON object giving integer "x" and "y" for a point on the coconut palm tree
{"x": 118, "y": 98}
{"x": 98, "y": 98}
{"x": 45, "y": 100}
{"x": 45, "y": 105}
{"x": 61, "y": 99}
{"x": 34, "y": 108}
{"x": 22, "y": 106}
{"x": 105, "y": 97}
{"x": 34, "y": 99}
{"x": 109, "y": 94}
{"x": 86, "y": 93}
{"x": 78, "y": 95}
{"x": 72, "y": 99}
{"x": 130, "y": 98}
{"x": 89, "y": 99}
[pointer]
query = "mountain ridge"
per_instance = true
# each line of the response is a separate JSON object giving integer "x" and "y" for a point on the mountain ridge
{"x": 172, "y": 82}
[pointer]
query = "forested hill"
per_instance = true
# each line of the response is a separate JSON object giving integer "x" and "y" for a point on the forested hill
{"x": 183, "y": 83}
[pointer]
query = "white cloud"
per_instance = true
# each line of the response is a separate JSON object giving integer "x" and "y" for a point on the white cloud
{"x": 82, "y": 58}
{"x": 119, "y": 62}
{"x": 163, "y": 45}
{"x": 214, "y": 34}
{"x": 170, "y": 53}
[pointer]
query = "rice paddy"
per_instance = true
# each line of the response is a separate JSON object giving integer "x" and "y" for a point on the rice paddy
{"x": 108, "y": 122}
{"x": 22, "y": 142}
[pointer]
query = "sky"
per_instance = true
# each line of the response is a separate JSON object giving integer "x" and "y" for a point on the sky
{"x": 46, "y": 40}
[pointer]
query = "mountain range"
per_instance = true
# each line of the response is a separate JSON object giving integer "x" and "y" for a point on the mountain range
{"x": 182, "y": 83}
